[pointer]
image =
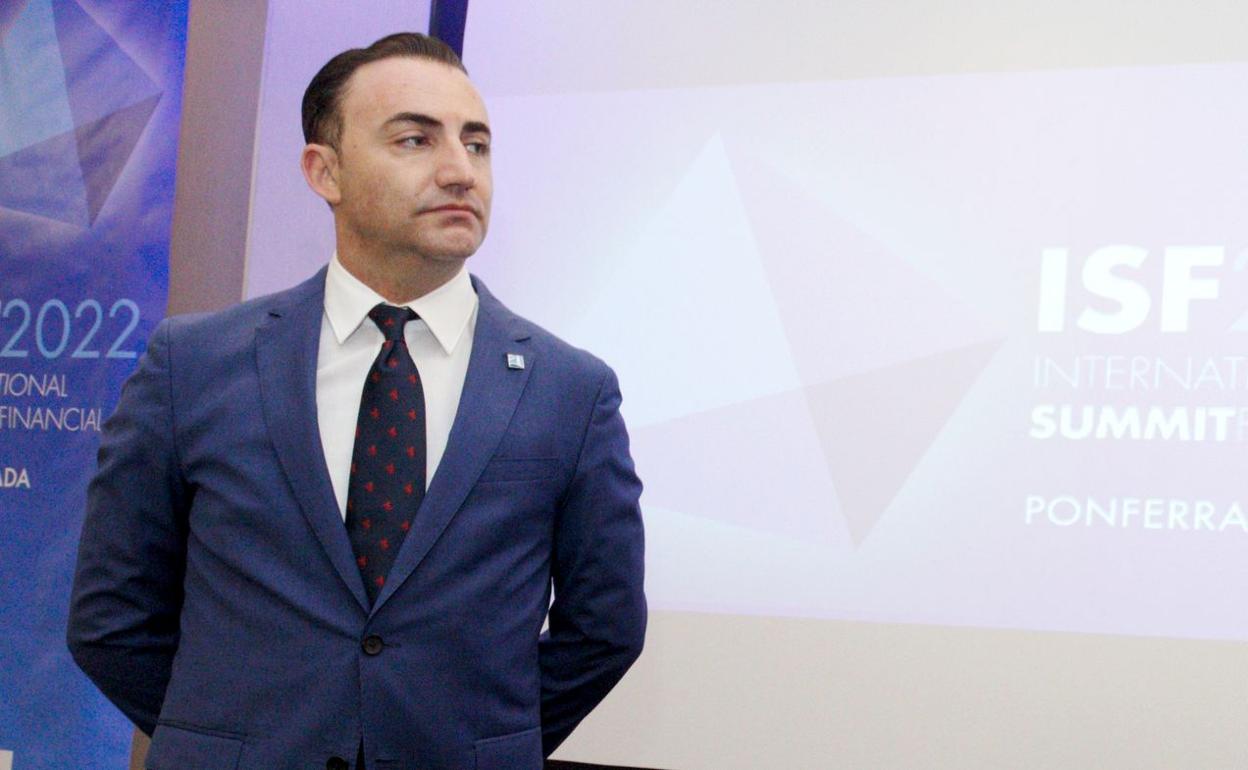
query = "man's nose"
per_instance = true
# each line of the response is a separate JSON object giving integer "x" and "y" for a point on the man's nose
{"x": 455, "y": 168}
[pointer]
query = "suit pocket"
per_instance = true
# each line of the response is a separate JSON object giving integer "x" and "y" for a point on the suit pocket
{"x": 517, "y": 469}
{"x": 517, "y": 751}
{"x": 177, "y": 747}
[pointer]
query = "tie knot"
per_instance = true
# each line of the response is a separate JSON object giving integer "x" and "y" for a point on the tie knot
{"x": 391, "y": 319}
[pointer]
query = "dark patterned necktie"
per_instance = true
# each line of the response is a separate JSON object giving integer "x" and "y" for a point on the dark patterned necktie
{"x": 388, "y": 462}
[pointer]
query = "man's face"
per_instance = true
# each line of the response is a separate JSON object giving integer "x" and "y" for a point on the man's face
{"x": 413, "y": 160}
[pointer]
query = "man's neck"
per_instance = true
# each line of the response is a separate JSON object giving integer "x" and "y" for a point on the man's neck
{"x": 399, "y": 279}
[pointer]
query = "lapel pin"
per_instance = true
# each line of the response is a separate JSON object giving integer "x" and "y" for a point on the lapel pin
{"x": 515, "y": 361}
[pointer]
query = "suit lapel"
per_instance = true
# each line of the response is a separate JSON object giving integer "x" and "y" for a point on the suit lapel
{"x": 491, "y": 392}
{"x": 286, "y": 351}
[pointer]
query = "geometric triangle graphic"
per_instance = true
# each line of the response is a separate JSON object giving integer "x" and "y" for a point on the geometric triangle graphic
{"x": 44, "y": 179}
{"x": 34, "y": 105}
{"x": 105, "y": 145}
{"x": 693, "y": 286}
{"x": 100, "y": 77}
{"x": 876, "y": 427}
{"x": 756, "y": 464}
{"x": 79, "y": 115}
{"x": 849, "y": 303}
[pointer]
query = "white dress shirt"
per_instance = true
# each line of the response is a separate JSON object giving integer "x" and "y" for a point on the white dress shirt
{"x": 440, "y": 342}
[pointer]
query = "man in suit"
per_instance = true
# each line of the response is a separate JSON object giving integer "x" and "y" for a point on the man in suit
{"x": 327, "y": 523}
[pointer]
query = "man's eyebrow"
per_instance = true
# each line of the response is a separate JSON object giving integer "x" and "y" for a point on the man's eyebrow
{"x": 476, "y": 127}
{"x": 471, "y": 127}
{"x": 414, "y": 117}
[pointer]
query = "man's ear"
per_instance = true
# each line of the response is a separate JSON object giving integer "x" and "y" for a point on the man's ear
{"x": 319, "y": 163}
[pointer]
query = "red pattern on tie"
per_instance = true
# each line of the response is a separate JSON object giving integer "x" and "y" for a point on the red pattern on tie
{"x": 387, "y": 481}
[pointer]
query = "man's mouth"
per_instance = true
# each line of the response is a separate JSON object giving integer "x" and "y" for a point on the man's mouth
{"x": 452, "y": 208}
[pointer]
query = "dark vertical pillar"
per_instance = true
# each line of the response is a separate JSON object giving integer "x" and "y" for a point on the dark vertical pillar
{"x": 446, "y": 22}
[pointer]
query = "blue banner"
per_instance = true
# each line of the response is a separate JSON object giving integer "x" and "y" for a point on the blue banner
{"x": 90, "y": 98}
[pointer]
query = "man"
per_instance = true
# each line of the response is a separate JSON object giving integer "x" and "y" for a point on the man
{"x": 327, "y": 523}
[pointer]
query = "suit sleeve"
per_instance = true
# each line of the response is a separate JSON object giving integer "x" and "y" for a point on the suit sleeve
{"x": 597, "y": 621}
{"x": 127, "y": 594}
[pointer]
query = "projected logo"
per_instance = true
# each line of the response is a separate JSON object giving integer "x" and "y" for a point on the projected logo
{"x": 1101, "y": 278}
{"x": 73, "y": 105}
{"x": 1121, "y": 291}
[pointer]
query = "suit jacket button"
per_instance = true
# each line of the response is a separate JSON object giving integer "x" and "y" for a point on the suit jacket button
{"x": 372, "y": 645}
{"x": 336, "y": 763}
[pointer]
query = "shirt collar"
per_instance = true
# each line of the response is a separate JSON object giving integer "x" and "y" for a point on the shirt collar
{"x": 446, "y": 310}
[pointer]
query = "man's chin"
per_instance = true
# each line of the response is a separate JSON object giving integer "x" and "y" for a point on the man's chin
{"x": 449, "y": 257}
{"x": 453, "y": 249}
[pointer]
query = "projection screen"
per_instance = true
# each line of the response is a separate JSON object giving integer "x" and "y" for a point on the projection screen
{"x": 930, "y": 320}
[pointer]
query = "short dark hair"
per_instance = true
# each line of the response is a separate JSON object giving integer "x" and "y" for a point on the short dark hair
{"x": 322, "y": 119}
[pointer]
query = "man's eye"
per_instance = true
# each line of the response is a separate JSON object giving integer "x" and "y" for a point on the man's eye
{"x": 478, "y": 148}
{"x": 413, "y": 141}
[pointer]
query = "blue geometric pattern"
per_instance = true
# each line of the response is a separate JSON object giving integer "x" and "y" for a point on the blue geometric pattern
{"x": 73, "y": 105}
{"x": 34, "y": 102}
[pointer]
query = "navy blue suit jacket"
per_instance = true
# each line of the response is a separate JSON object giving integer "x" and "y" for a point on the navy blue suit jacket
{"x": 217, "y": 602}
